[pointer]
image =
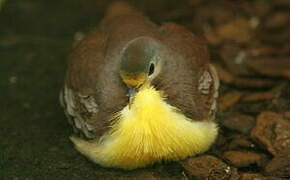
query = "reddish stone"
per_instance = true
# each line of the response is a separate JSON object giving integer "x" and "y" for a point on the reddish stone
{"x": 209, "y": 167}
{"x": 239, "y": 122}
{"x": 280, "y": 165}
{"x": 244, "y": 158}
{"x": 273, "y": 131}
{"x": 229, "y": 99}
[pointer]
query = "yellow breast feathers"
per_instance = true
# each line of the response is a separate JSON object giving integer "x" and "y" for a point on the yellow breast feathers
{"x": 149, "y": 131}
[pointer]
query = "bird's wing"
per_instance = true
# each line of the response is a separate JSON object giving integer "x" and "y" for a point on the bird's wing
{"x": 208, "y": 86}
{"x": 187, "y": 78}
{"x": 78, "y": 109}
{"x": 78, "y": 95}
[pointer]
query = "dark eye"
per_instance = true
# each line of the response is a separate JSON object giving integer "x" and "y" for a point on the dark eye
{"x": 151, "y": 69}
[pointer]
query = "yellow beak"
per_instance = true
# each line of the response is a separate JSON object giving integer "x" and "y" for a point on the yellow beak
{"x": 135, "y": 80}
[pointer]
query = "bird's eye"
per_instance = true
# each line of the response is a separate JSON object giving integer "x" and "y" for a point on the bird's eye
{"x": 151, "y": 69}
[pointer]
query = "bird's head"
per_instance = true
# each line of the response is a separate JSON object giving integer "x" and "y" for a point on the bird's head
{"x": 141, "y": 62}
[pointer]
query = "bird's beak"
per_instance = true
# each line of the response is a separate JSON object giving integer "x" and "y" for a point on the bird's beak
{"x": 132, "y": 91}
{"x": 131, "y": 94}
{"x": 133, "y": 82}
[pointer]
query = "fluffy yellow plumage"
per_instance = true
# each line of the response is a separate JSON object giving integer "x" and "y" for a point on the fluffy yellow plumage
{"x": 149, "y": 131}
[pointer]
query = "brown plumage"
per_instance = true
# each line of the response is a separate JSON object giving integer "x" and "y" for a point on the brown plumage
{"x": 94, "y": 90}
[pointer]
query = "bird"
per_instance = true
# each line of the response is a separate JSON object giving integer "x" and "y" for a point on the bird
{"x": 138, "y": 93}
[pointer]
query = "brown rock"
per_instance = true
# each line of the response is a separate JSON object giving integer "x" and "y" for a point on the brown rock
{"x": 244, "y": 158}
{"x": 229, "y": 99}
{"x": 251, "y": 176}
{"x": 279, "y": 38}
{"x": 262, "y": 51}
{"x": 227, "y": 77}
{"x": 209, "y": 167}
{"x": 238, "y": 30}
{"x": 281, "y": 3}
{"x": 260, "y": 8}
{"x": 287, "y": 114}
{"x": 253, "y": 82}
{"x": 221, "y": 14}
{"x": 223, "y": 74}
{"x": 273, "y": 131}
{"x": 280, "y": 165}
{"x": 234, "y": 58}
{"x": 286, "y": 74}
{"x": 239, "y": 122}
{"x": 272, "y": 178}
{"x": 274, "y": 93}
{"x": 270, "y": 66}
{"x": 277, "y": 20}
{"x": 212, "y": 37}
{"x": 176, "y": 13}
{"x": 258, "y": 96}
{"x": 241, "y": 142}
{"x": 256, "y": 176}
{"x": 266, "y": 50}
{"x": 221, "y": 142}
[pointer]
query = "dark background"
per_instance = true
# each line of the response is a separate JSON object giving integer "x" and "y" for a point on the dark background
{"x": 36, "y": 37}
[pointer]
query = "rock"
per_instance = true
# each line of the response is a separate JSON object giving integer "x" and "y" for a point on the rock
{"x": 262, "y": 51}
{"x": 277, "y": 20}
{"x": 274, "y": 93}
{"x": 281, "y": 3}
{"x": 280, "y": 165}
{"x": 272, "y": 130}
{"x": 253, "y": 82}
{"x": 256, "y": 176}
{"x": 209, "y": 167}
{"x": 213, "y": 38}
{"x": 244, "y": 158}
{"x": 267, "y": 50}
{"x": 287, "y": 114}
{"x": 229, "y": 99}
{"x": 221, "y": 142}
{"x": 260, "y": 8}
{"x": 239, "y": 122}
{"x": 270, "y": 66}
{"x": 251, "y": 176}
{"x": 258, "y": 96}
{"x": 241, "y": 142}
{"x": 234, "y": 58}
{"x": 277, "y": 38}
{"x": 224, "y": 75}
{"x": 238, "y": 30}
{"x": 227, "y": 77}
{"x": 221, "y": 14}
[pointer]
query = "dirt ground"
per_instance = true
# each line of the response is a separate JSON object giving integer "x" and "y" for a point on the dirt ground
{"x": 249, "y": 43}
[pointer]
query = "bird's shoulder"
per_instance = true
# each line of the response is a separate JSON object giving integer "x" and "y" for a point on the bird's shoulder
{"x": 91, "y": 85}
{"x": 187, "y": 78}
